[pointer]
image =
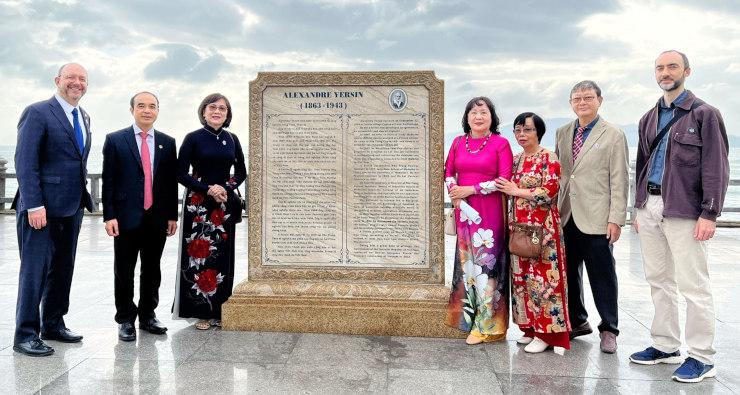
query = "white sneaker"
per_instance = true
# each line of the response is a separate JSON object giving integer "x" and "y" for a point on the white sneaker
{"x": 536, "y": 346}
{"x": 524, "y": 340}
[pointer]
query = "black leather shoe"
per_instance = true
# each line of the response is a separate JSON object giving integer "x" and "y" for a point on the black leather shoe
{"x": 127, "y": 332}
{"x": 153, "y": 325}
{"x": 580, "y": 330}
{"x": 34, "y": 348}
{"x": 63, "y": 335}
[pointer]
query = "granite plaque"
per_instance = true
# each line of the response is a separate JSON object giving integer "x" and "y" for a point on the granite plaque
{"x": 341, "y": 170}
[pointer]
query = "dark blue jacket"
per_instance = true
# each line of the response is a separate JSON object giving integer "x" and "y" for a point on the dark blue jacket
{"x": 51, "y": 170}
{"x": 123, "y": 179}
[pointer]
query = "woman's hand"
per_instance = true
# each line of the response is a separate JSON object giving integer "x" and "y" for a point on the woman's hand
{"x": 456, "y": 203}
{"x": 506, "y": 186}
{"x": 458, "y": 192}
{"x": 217, "y": 192}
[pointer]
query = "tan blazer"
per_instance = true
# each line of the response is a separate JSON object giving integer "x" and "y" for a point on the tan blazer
{"x": 594, "y": 188}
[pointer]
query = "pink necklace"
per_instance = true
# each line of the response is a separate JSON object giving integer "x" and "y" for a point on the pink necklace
{"x": 467, "y": 145}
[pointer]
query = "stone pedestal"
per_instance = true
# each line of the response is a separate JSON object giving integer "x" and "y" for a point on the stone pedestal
{"x": 345, "y": 206}
{"x": 339, "y": 307}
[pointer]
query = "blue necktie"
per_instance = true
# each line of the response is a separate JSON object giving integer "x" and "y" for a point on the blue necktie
{"x": 78, "y": 130}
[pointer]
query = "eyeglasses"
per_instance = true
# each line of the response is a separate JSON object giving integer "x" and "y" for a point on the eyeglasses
{"x": 523, "y": 130}
{"x": 213, "y": 107}
{"x": 72, "y": 77}
{"x": 585, "y": 99}
{"x": 482, "y": 113}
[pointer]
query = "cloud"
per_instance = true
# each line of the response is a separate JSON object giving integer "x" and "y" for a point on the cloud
{"x": 184, "y": 62}
{"x": 524, "y": 55}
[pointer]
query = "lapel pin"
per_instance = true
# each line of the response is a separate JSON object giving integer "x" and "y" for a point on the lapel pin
{"x": 224, "y": 142}
{"x": 691, "y": 130}
{"x": 160, "y": 146}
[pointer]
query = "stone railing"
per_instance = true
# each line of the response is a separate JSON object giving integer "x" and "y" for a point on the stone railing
{"x": 94, "y": 183}
{"x": 6, "y": 197}
{"x": 734, "y": 183}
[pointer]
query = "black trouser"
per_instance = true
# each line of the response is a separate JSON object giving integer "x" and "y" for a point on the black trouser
{"x": 595, "y": 252}
{"x": 148, "y": 241}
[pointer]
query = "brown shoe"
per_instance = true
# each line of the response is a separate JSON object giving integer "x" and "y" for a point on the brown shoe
{"x": 608, "y": 343}
{"x": 580, "y": 330}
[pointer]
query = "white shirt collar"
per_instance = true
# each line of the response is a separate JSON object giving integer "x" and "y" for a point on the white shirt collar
{"x": 137, "y": 130}
{"x": 65, "y": 105}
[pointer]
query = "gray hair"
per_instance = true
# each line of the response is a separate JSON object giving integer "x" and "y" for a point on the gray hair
{"x": 683, "y": 56}
{"x": 585, "y": 85}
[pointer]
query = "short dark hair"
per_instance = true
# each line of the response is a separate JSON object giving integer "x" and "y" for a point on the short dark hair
{"x": 141, "y": 93}
{"x": 212, "y": 98}
{"x": 683, "y": 56}
{"x": 585, "y": 85}
{"x": 539, "y": 124}
{"x": 479, "y": 101}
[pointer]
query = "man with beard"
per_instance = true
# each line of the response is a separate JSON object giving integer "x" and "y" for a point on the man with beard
{"x": 51, "y": 166}
{"x": 682, "y": 175}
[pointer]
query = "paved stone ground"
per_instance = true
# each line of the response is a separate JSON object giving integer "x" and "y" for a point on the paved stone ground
{"x": 187, "y": 360}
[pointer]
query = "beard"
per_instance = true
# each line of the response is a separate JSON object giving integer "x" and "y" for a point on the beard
{"x": 670, "y": 86}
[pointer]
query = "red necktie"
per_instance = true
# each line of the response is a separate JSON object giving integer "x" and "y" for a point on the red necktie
{"x": 146, "y": 164}
{"x": 577, "y": 143}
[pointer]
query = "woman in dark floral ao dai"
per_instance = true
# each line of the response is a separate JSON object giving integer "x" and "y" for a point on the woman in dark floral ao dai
{"x": 210, "y": 212}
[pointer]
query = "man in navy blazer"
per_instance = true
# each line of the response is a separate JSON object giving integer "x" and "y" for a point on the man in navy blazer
{"x": 51, "y": 166}
{"x": 139, "y": 210}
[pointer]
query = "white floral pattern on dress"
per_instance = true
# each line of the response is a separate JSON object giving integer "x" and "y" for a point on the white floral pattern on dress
{"x": 464, "y": 218}
{"x": 483, "y": 237}
{"x": 475, "y": 276}
{"x": 487, "y": 187}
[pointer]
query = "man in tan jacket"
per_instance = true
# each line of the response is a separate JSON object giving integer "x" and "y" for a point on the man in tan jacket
{"x": 593, "y": 205}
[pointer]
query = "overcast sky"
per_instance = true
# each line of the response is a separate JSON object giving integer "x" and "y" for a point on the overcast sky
{"x": 525, "y": 55}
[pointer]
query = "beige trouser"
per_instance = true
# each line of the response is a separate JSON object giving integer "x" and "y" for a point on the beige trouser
{"x": 673, "y": 261}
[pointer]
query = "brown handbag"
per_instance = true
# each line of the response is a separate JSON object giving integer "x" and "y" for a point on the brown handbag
{"x": 526, "y": 240}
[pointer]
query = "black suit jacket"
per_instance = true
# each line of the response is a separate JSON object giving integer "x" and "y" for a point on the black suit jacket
{"x": 51, "y": 170}
{"x": 123, "y": 179}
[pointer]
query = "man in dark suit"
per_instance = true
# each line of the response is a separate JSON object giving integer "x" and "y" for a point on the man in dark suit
{"x": 139, "y": 210}
{"x": 51, "y": 166}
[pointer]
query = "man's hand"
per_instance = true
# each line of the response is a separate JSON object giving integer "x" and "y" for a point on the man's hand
{"x": 37, "y": 218}
{"x": 704, "y": 229}
{"x": 171, "y": 227}
{"x": 612, "y": 232}
{"x": 111, "y": 227}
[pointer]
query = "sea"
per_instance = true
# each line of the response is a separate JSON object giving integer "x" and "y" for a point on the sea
{"x": 95, "y": 165}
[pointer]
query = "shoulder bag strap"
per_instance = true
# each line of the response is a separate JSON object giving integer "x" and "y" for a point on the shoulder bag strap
{"x": 679, "y": 113}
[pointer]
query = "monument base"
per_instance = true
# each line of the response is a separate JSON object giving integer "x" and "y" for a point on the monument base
{"x": 339, "y": 307}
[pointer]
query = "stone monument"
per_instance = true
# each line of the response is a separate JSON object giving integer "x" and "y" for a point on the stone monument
{"x": 345, "y": 205}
